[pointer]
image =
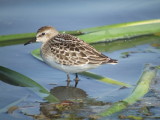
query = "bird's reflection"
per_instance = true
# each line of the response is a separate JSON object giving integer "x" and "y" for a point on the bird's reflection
{"x": 68, "y": 93}
{"x": 67, "y": 106}
{"x": 74, "y": 104}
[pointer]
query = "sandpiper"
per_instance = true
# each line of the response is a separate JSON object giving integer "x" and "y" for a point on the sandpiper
{"x": 68, "y": 53}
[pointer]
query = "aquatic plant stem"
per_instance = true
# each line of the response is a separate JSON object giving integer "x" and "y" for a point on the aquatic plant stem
{"x": 139, "y": 91}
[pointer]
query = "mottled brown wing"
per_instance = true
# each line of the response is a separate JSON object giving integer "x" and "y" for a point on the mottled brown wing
{"x": 69, "y": 50}
{"x": 92, "y": 55}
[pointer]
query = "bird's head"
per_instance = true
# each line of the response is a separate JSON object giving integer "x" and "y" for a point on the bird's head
{"x": 44, "y": 34}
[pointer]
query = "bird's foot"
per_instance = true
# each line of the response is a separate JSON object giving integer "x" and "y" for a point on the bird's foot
{"x": 76, "y": 81}
{"x": 68, "y": 82}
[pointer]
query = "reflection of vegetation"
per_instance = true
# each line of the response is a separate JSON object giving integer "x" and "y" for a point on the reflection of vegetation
{"x": 124, "y": 44}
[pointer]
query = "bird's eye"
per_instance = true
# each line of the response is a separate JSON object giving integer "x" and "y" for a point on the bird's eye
{"x": 43, "y": 33}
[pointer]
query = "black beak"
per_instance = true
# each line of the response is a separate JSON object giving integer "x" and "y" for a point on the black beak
{"x": 31, "y": 41}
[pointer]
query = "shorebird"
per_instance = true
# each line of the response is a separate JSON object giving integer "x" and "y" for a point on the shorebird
{"x": 68, "y": 53}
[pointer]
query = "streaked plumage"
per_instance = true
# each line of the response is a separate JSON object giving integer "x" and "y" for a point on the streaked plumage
{"x": 68, "y": 53}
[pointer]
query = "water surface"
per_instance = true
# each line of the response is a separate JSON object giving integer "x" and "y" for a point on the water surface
{"x": 21, "y": 16}
{"x": 128, "y": 70}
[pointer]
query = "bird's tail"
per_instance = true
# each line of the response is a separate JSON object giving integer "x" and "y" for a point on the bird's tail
{"x": 112, "y": 61}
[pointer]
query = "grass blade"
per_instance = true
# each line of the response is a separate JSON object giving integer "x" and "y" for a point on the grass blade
{"x": 114, "y": 32}
{"x": 96, "y": 34}
{"x": 105, "y": 79}
{"x": 135, "y": 23}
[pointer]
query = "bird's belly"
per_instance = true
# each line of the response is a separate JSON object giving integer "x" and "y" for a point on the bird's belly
{"x": 68, "y": 68}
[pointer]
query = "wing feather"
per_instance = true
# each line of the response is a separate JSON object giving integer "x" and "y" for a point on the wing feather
{"x": 70, "y": 50}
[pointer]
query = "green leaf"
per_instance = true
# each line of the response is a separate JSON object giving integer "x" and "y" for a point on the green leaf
{"x": 15, "y": 38}
{"x": 121, "y": 25}
{"x": 105, "y": 79}
{"x": 114, "y": 32}
{"x": 36, "y": 53}
{"x": 140, "y": 90}
{"x": 15, "y": 78}
{"x": 97, "y": 34}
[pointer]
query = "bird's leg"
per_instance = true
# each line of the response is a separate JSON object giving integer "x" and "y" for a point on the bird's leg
{"x": 76, "y": 80}
{"x": 68, "y": 80}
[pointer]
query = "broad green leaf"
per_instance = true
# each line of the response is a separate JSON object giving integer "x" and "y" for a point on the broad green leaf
{"x": 113, "y": 33}
{"x": 135, "y": 23}
{"x": 15, "y": 78}
{"x": 97, "y": 34}
{"x": 15, "y": 38}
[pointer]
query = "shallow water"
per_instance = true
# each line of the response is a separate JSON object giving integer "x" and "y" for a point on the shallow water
{"x": 128, "y": 70}
{"x": 20, "y": 16}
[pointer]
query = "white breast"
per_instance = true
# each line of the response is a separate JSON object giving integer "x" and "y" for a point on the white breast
{"x": 66, "y": 68}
